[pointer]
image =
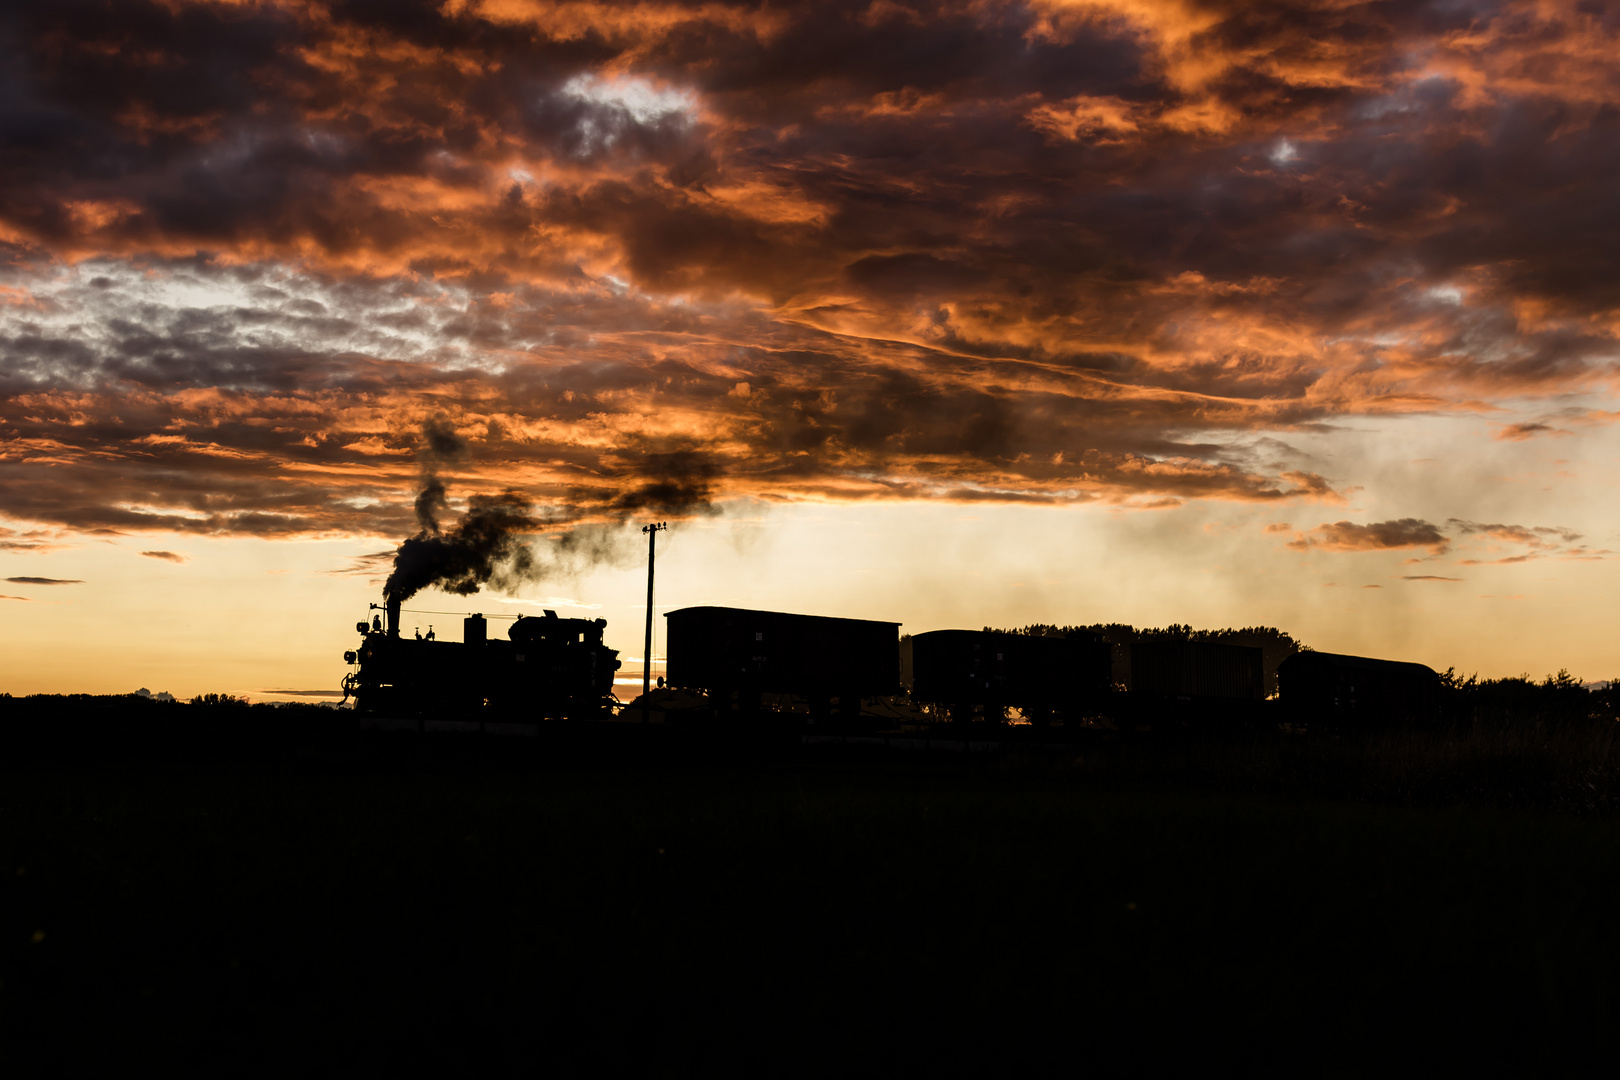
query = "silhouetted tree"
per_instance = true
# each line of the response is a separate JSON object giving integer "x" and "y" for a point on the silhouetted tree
{"x": 1275, "y": 645}
{"x": 1559, "y": 699}
{"x": 218, "y": 699}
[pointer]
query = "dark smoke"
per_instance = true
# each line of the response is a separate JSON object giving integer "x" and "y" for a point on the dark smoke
{"x": 679, "y": 482}
{"x": 431, "y": 503}
{"x": 440, "y": 446}
{"x": 441, "y": 443}
{"x": 487, "y": 544}
{"x": 490, "y": 543}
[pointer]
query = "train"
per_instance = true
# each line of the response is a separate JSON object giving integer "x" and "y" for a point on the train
{"x": 746, "y": 665}
{"x": 1334, "y": 688}
{"x": 983, "y": 675}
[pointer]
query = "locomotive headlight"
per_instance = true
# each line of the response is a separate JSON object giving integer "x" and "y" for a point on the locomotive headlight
{"x": 348, "y": 657}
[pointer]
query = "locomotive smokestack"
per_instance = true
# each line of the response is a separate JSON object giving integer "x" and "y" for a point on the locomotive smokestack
{"x": 393, "y": 617}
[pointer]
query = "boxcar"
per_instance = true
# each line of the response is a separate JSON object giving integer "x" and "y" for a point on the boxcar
{"x": 736, "y": 654}
{"x": 973, "y": 671}
{"x": 1197, "y": 670}
{"x": 1334, "y": 687}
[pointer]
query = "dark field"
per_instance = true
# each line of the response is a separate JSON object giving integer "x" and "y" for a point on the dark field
{"x": 849, "y": 914}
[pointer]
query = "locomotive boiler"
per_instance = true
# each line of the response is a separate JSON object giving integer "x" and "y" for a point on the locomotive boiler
{"x": 548, "y": 668}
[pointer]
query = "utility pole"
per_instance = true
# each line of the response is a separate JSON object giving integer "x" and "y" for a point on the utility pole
{"x": 652, "y": 532}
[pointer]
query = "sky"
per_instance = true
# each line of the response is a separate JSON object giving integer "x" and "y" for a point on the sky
{"x": 949, "y": 314}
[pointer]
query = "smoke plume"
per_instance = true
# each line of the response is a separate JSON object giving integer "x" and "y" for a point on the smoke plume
{"x": 487, "y": 544}
{"x": 491, "y": 541}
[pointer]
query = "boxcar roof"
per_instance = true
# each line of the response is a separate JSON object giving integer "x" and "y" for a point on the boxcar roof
{"x": 1344, "y": 660}
{"x": 781, "y": 614}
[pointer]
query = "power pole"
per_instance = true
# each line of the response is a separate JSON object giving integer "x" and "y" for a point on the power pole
{"x": 652, "y": 532}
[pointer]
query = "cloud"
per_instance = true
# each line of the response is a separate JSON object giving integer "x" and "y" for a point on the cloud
{"x": 1543, "y": 541}
{"x": 1414, "y": 532}
{"x": 1019, "y": 252}
{"x": 1520, "y": 432}
{"x": 1428, "y": 577}
{"x": 33, "y": 540}
{"x": 44, "y": 581}
{"x": 374, "y": 564}
{"x": 1378, "y": 536}
{"x": 14, "y": 598}
{"x": 170, "y": 556}
{"x": 1544, "y": 537}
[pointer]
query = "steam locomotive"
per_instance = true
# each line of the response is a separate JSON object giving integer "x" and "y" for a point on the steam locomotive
{"x": 548, "y": 668}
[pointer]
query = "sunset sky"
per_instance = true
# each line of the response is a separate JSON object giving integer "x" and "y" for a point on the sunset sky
{"x": 951, "y": 314}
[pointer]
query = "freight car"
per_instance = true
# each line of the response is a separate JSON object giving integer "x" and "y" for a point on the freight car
{"x": 736, "y": 655}
{"x": 548, "y": 668}
{"x": 1334, "y": 688}
{"x": 981, "y": 673}
{"x": 1195, "y": 681}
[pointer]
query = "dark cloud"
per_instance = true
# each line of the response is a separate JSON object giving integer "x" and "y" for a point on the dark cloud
{"x": 167, "y": 556}
{"x": 283, "y": 268}
{"x": 1428, "y": 577}
{"x": 44, "y": 581}
{"x": 1542, "y": 540}
{"x": 1377, "y": 536}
